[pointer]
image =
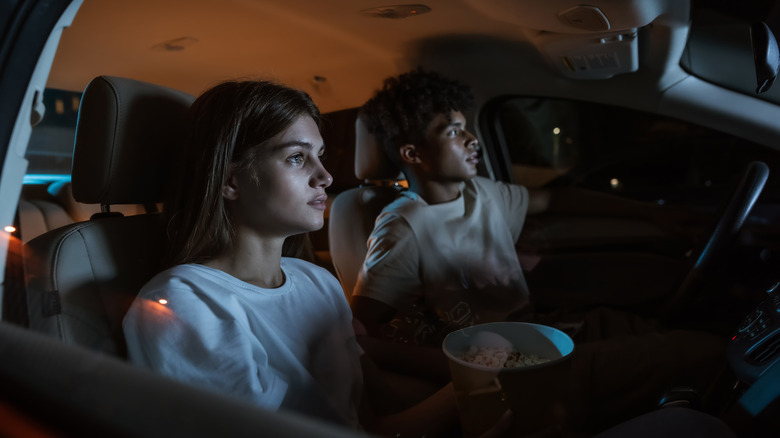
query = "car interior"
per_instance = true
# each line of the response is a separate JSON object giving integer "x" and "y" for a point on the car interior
{"x": 663, "y": 101}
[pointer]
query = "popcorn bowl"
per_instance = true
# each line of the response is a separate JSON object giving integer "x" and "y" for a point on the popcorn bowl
{"x": 536, "y": 394}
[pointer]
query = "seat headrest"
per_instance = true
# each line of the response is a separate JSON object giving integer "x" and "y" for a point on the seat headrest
{"x": 371, "y": 162}
{"x": 126, "y": 135}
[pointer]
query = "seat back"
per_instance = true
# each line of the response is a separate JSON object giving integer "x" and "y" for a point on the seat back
{"x": 44, "y": 207}
{"x": 81, "y": 278}
{"x": 354, "y": 211}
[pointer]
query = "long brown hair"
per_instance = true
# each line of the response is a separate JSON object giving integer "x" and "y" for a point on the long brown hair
{"x": 227, "y": 125}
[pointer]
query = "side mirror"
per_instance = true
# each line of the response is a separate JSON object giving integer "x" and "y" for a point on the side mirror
{"x": 766, "y": 55}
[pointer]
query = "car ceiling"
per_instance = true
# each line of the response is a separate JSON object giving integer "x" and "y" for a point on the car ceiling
{"x": 325, "y": 47}
{"x": 328, "y": 48}
{"x": 339, "y": 52}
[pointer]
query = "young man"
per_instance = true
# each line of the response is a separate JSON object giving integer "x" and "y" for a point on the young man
{"x": 442, "y": 257}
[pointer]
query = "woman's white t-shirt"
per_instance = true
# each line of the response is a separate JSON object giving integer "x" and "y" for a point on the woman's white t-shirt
{"x": 292, "y": 347}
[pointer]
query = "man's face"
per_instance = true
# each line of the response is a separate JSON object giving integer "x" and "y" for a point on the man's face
{"x": 451, "y": 152}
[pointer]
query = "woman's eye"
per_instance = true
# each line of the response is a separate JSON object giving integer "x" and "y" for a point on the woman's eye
{"x": 453, "y": 133}
{"x": 296, "y": 159}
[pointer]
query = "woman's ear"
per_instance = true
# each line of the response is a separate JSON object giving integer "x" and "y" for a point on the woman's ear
{"x": 230, "y": 187}
{"x": 409, "y": 154}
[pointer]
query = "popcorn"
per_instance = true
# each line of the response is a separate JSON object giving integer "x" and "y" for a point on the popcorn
{"x": 500, "y": 357}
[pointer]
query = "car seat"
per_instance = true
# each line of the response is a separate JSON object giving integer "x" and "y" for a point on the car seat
{"x": 44, "y": 207}
{"x": 81, "y": 278}
{"x": 354, "y": 211}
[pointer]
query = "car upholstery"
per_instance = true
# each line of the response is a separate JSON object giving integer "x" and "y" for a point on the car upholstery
{"x": 354, "y": 211}
{"x": 82, "y": 277}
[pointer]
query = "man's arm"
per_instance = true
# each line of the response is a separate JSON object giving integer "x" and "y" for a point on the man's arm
{"x": 587, "y": 202}
{"x": 371, "y": 313}
{"x": 428, "y": 363}
{"x": 584, "y": 202}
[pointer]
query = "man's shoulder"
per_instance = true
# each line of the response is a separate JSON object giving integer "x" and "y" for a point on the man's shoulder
{"x": 402, "y": 205}
{"x": 485, "y": 183}
{"x": 487, "y": 186}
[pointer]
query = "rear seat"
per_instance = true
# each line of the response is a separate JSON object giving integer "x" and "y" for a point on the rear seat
{"x": 46, "y": 206}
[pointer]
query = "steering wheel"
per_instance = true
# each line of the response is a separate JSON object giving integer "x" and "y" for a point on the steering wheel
{"x": 730, "y": 221}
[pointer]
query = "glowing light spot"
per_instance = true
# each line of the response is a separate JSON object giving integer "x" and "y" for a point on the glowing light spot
{"x": 162, "y": 301}
{"x": 614, "y": 183}
{"x": 9, "y": 229}
{"x": 556, "y": 130}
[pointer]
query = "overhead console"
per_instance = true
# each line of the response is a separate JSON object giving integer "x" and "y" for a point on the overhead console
{"x": 596, "y": 40}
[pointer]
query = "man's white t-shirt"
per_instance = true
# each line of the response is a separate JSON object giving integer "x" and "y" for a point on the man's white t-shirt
{"x": 292, "y": 347}
{"x": 453, "y": 262}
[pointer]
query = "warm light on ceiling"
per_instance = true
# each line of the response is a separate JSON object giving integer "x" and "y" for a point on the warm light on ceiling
{"x": 175, "y": 45}
{"x": 396, "y": 11}
{"x": 9, "y": 229}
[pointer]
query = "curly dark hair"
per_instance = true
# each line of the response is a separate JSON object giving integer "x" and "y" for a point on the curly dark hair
{"x": 400, "y": 112}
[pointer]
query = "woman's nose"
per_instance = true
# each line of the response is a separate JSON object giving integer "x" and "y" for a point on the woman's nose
{"x": 322, "y": 178}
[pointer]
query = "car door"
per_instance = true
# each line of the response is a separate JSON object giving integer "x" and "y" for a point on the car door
{"x": 30, "y": 33}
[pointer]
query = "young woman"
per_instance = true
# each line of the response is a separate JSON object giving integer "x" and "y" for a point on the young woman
{"x": 231, "y": 313}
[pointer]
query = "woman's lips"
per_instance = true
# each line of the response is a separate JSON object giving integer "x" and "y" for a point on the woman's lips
{"x": 319, "y": 202}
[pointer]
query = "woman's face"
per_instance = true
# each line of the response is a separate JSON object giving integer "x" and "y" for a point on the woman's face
{"x": 287, "y": 195}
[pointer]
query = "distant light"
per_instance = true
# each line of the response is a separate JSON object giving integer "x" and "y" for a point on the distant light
{"x": 660, "y": 202}
{"x": 9, "y": 229}
{"x": 162, "y": 301}
{"x": 614, "y": 183}
{"x": 707, "y": 183}
{"x": 556, "y": 130}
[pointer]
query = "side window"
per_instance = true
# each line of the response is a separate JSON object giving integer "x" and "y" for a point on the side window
{"x": 50, "y": 151}
{"x": 621, "y": 151}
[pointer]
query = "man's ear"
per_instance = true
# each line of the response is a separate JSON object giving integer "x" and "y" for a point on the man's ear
{"x": 409, "y": 154}
{"x": 230, "y": 187}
